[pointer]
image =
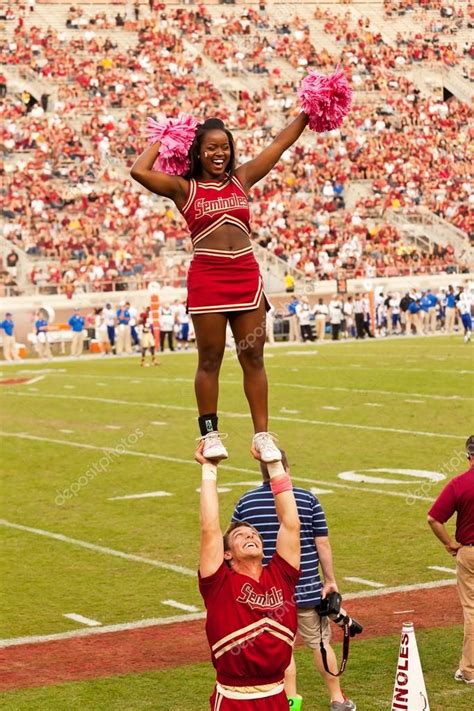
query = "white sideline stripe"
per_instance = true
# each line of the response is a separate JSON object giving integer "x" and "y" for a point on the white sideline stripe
{"x": 148, "y": 495}
{"x": 227, "y": 467}
{"x": 84, "y": 620}
{"x": 35, "y": 380}
{"x": 284, "y": 385}
{"x": 416, "y": 402}
{"x": 113, "y": 427}
{"x": 363, "y": 581}
{"x": 98, "y": 549}
{"x": 442, "y": 569}
{"x": 159, "y": 621}
{"x": 401, "y": 588}
{"x": 279, "y": 418}
{"x": 329, "y": 407}
{"x": 157, "y": 422}
{"x": 180, "y": 606}
{"x": 373, "y": 404}
{"x": 403, "y": 612}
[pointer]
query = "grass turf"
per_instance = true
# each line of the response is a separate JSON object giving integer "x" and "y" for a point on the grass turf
{"x": 401, "y": 404}
{"x": 369, "y": 680}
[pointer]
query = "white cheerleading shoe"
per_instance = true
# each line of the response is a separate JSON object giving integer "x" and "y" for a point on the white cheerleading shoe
{"x": 264, "y": 444}
{"x": 213, "y": 447}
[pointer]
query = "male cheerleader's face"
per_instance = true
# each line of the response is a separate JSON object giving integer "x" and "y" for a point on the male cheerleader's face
{"x": 244, "y": 544}
{"x": 215, "y": 152}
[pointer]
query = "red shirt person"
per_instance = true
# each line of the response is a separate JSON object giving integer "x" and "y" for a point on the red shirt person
{"x": 251, "y": 613}
{"x": 458, "y": 496}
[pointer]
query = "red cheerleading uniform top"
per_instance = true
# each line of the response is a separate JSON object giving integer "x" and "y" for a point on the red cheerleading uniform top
{"x": 251, "y": 625}
{"x": 211, "y": 204}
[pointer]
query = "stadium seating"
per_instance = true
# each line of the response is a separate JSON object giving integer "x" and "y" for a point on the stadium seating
{"x": 79, "y": 83}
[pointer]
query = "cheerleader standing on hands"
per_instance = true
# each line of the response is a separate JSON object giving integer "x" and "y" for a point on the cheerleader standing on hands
{"x": 196, "y": 169}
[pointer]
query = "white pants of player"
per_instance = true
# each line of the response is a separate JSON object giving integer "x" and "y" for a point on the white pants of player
{"x": 77, "y": 343}
{"x": 9, "y": 347}
{"x": 124, "y": 339}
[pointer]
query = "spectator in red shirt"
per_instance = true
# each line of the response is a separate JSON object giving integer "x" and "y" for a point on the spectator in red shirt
{"x": 458, "y": 496}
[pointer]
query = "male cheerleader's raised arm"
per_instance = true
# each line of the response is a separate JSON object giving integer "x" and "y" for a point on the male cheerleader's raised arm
{"x": 254, "y": 170}
{"x": 212, "y": 543}
{"x": 288, "y": 543}
{"x": 170, "y": 186}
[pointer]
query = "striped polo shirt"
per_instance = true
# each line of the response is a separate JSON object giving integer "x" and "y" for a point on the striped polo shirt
{"x": 257, "y": 507}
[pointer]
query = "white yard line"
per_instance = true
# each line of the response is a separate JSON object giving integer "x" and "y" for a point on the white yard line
{"x": 442, "y": 569}
{"x": 277, "y": 418}
{"x": 83, "y": 620}
{"x": 66, "y": 431}
{"x": 98, "y": 549}
{"x": 363, "y": 489}
{"x": 227, "y": 467}
{"x": 330, "y": 407}
{"x": 416, "y": 402}
{"x": 390, "y": 393}
{"x": 148, "y": 495}
{"x": 180, "y": 606}
{"x": 363, "y": 581}
{"x": 160, "y": 621}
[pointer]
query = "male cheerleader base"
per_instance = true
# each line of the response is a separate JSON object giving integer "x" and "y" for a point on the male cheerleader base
{"x": 251, "y": 629}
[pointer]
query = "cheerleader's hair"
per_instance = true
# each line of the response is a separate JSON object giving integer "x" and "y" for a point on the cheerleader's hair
{"x": 210, "y": 124}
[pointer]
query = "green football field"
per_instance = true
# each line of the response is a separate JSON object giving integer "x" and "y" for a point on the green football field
{"x": 100, "y": 502}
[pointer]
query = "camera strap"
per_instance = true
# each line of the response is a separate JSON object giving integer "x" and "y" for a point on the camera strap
{"x": 345, "y": 652}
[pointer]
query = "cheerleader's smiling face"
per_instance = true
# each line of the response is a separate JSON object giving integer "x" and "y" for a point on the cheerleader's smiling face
{"x": 215, "y": 153}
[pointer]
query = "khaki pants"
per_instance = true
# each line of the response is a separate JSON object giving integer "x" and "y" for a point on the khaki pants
{"x": 77, "y": 343}
{"x": 450, "y": 314}
{"x": 465, "y": 578}
{"x": 44, "y": 349}
{"x": 320, "y": 327}
{"x": 424, "y": 319}
{"x": 124, "y": 339}
{"x": 413, "y": 320}
{"x": 9, "y": 347}
{"x": 294, "y": 329}
{"x": 433, "y": 320}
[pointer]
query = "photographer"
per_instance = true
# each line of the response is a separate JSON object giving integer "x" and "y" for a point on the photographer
{"x": 257, "y": 508}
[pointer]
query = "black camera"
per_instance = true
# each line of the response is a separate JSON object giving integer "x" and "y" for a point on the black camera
{"x": 330, "y": 607}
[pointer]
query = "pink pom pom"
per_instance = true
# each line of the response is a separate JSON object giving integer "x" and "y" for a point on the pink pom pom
{"x": 176, "y": 136}
{"x": 326, "y": 99}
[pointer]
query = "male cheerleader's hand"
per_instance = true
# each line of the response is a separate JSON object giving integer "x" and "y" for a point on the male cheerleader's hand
{"x": 255, "y": 454}
{"x": 200, "y": 459}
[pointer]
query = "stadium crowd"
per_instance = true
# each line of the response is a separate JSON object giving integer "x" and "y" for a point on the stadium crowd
{"x": 77, "y": 168}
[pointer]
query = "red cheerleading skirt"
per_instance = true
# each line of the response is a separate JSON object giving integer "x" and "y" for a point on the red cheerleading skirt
{"x": 223, "y": 282}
